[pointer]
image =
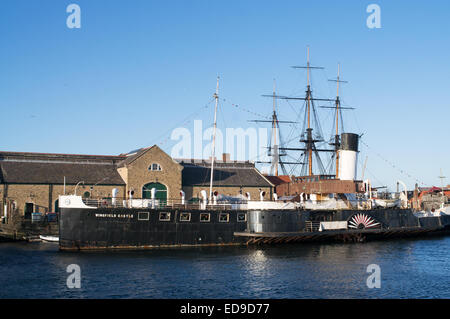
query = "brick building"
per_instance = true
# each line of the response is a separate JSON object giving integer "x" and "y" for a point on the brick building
{"x": 32, "y": 182}
{"x": 231, "y": 178}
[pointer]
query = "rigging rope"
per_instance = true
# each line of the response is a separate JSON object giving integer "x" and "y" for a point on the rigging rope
{"x": 186, "y": 121}
{"x": 245, "y": 109}
{"x": 402, "y": 171}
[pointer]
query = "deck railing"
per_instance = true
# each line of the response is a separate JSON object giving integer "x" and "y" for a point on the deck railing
{"x": 158, "y": 204}
{"x": 222, "y": 205}
{"x": 312, "y": 226}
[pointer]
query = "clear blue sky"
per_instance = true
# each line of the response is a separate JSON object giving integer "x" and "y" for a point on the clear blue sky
{"x": 136, "y": 69}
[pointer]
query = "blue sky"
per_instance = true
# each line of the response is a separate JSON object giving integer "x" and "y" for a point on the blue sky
{"x": 137, "y": 69}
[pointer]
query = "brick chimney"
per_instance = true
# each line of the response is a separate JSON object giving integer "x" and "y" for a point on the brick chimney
{"x": 226, "y": 157}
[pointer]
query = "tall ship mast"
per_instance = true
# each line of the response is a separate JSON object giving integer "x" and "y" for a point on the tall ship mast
{"x": 342, "y": 155}
{"x": 213, "y": 151}
{"x": 275, "y": 149}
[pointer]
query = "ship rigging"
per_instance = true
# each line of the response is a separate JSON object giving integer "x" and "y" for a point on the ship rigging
{"x": 311, "y": 133}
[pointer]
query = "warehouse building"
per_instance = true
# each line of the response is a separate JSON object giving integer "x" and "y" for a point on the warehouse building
{"x": 32, "y": 182}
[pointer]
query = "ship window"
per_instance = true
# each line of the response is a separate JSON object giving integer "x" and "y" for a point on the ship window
{"x": 185, "y": 217}
{"x": 155, "y": 167}
{"x": 164, "y": 216}
{"x": 143, "y": 215}
{"x": 242, "y": 217}
{"x": 86, "y": 195}
{"x": 224, "y": 217}
{"x": 205, "y": 217}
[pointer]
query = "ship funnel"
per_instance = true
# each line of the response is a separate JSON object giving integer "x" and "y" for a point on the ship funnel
{"x": 348, "y": 156}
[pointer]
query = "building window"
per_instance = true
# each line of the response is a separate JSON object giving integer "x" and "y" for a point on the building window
{"x": 143, "y": 216}
{"x": 185, "y": 217}
{"x": 154, "y": 167}
{"x": 224, "y": 217}
{"x": 205, "y": 217}
{"x": 242, "y": 217}
{"x": 165, "y": 217}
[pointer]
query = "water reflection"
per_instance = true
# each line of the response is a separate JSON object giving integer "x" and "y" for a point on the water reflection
{"x": 409, "y": 269}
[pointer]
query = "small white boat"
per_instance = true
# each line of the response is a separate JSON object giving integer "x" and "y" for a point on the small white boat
{"x": 49, "y": 238}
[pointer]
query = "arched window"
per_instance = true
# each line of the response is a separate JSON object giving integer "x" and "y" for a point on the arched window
{"x": 154, "y": 167}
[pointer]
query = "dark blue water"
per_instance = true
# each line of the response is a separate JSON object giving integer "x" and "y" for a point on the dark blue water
{"x": 409, "y": 269}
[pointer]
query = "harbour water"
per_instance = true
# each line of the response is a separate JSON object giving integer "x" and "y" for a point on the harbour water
{"x": 409, "y": 269}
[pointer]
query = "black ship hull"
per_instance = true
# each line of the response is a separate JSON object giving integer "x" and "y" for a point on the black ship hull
{"x": 127, "y": 228}
{"x": 85, "y": 229}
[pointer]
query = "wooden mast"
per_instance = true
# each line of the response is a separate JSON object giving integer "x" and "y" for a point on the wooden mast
{"x": 339, "y": 109}
{"x": 274, "y": 127}
{"x": 307, "y": 139}
{"x": 337, "y": 123}
{"x": 308, "y": 97}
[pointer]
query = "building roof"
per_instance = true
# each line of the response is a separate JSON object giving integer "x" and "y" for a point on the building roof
{"x": 26, "y": 156}
{"x": 136, "y": 154}
{"x": 237, "y": 174}
{"x": 54, "y": 173}
{"x": 133, "y": 155}
{"x": 43, "y": 168}
{"x": 278, "y": 180}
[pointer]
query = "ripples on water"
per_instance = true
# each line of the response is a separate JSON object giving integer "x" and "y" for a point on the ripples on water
{"x": 409, "y": 269}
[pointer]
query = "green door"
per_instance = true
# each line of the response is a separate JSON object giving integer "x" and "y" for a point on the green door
{"x": 161, "y": 192}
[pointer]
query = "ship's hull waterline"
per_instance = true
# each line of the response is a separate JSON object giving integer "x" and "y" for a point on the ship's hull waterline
{"x": 138, "y": 229}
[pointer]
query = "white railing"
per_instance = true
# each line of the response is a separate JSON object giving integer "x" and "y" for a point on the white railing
{"x": 362, "y": 204}
{"x": 156, "y": 204}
